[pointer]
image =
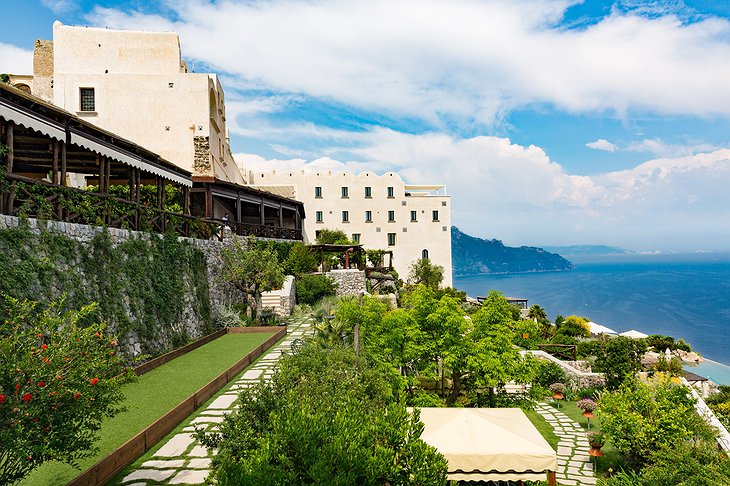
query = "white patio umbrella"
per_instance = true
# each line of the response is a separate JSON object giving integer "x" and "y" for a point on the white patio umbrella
{"x": 599, "y": 329}
{"x": 634, "y": 334}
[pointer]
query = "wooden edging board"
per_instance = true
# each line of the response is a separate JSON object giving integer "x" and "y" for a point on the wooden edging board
{"x": 124, "y": 455}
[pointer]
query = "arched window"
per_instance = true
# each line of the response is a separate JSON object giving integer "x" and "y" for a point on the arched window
{"x": 424, "y": 254}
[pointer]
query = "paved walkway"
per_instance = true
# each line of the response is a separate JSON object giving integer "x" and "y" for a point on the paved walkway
{"x": 181, "y": 460}
{"x": 574, "y": 466}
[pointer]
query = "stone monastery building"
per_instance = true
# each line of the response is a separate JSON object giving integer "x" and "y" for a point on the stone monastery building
{"x": 136, "y": 85}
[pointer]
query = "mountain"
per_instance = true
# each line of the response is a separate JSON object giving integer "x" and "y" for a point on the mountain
{"x": 475, "y": 256}
{"x": 587, "y": 250}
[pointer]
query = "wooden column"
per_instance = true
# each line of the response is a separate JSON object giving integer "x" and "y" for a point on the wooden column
{"x": 54, "y": 169}
{"x": 107, "y": 175}
{"x": 10, "y": 142}
{"x": 238, "y": 207}
{"x": 208, "y": 202}
{"x": 552, "y": 481}
{"x": 63, "y": 164}
{"x": 262, "y": 210}
{"x": 102, "y": 170}
{"x": 186, "y": 200}
{"x": 130, "y": 183}
{"x": 281, "y": 216}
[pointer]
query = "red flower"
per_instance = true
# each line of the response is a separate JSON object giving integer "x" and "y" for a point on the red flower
{"x": 27, "y": 397}
{"x": 40, "y": 335}
{"x": 94, "y": 381}
{"x": 45, "y": 360}
{"x": 2, "y": 398}
{"x": 41, "y": 384}
{"x": 17, "y": 386}
{"x": 44, "y": 346}
{"x": 59, "y": 377}
{"x": 77, "y": 395}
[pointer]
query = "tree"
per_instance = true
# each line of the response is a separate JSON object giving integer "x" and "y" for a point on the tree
{"x": 640, "y": 417}
{"x": 618, "y": 358}
{"x": 328, "y": 417}
{"x": 574, "y": 326}
{"x": 538, "y": 313}
{"x": 422, "y": 271}
{"x": 332, "y": 237}
{"x": 301, "y": 260}
{"x": 58, "y": 380}
{"x": 252, "y": 269}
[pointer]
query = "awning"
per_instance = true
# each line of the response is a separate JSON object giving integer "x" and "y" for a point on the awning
{"x": 488, "y": 444}
{"x": 134, "y": 160}
{"x": 31, "y": 121}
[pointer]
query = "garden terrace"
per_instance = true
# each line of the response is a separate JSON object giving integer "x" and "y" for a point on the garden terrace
{"x": 247, "y": 211}
{"x": 155, "y": 393}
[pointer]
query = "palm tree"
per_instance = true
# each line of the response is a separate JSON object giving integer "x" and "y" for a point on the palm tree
{"x": 537, "y": 313}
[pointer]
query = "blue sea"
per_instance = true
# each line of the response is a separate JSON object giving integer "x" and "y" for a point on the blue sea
{"x": 685, "y": 296}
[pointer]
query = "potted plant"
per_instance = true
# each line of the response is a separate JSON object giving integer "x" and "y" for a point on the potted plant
{"x": 588, "y": 406}
{"x": 596, "y": 441}
{"x": 558, "y": 389}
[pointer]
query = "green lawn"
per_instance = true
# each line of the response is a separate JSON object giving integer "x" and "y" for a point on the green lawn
{"x": 545, "y": 429}
{"x": 612, "y": 458}
{"x": 153, "y": 395}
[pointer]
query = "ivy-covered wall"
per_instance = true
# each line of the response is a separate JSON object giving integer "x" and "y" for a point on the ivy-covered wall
{"x": 155, "y": 292}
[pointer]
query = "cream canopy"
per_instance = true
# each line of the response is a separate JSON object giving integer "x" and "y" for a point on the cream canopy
{"x": 488, "y": 444}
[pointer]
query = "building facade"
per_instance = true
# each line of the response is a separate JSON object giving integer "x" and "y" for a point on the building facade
{"x": 379, "y": 212}
{"x": 136, "y": 84}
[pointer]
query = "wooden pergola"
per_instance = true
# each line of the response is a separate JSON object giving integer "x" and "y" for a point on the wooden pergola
{"x": 246, "y": 210}
{"x": 345, "y": 250}
{"x": 59, "y": 155}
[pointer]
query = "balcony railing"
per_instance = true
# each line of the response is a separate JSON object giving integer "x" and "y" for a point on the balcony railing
{"x": 26, "y": 197}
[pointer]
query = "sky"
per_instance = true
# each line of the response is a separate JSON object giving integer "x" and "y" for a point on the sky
{"x": 551, "y": 122}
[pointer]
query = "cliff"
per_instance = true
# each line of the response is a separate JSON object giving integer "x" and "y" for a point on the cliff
{"x": 476, "y": 256}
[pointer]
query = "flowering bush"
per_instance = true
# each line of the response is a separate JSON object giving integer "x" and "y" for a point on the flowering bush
{"x": 596, "y": 439}
{"x": 58, "y": 380}
{"x": 587, "y": 405}
{"x": 558, "y": 388}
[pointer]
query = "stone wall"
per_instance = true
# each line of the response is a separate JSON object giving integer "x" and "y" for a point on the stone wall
{"x": 349, "y": 282}
{"x": 190, "y": 323}
{"x": 43, "y": 69}
{"x": 288, "y": 296}
{"x": 201, "y": 157}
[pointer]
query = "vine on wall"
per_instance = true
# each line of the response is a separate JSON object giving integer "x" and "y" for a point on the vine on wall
{"x": 156, "y": 288}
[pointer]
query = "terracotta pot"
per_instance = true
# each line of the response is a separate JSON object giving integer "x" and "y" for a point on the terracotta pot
{"x": 558, "y": 396}
{"x": 588, "y": 414}
{"x": 595, "y": 451}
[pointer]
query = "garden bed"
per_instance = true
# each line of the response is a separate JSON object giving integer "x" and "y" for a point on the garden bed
{"x": 156, "y": 393}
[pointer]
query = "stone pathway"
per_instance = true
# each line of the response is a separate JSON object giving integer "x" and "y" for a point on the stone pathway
{"x": 181, "y": 460}
{"x": 574, "y": 463}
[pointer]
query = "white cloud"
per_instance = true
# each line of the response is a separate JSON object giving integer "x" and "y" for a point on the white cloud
{"x": 659, "y": 148}
{"x": 14, "y": 60}
{"x": 602, "y": 144}
{"x": 516, "y": 193}
{"x": 459, "y": 61}
{"x": 60, "y": 6}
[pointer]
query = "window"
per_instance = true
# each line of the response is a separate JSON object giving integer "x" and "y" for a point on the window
{"x": 345, "y": 216}
{"x": 424, "y": 254}
{"x": 319, "y": 216}
{"x": 435, "y": 215}
{"x": 345, "y": 192}
{"x": 356, "y": 238}
{"x": 368, "y": 216}
{"x": 414, "y": 215}
{"x": 391, "y": 193}
{"x": 368, "y": 192}
{"x": 391, "y": 216}
{"x": 87, "y": 99}
{"x": 391, "y": 239}
{"x": 318, "y": 192}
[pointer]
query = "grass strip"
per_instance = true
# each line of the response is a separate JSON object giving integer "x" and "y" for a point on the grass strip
{"x": 543, "y": 426}
{"x": 153, "y": 395}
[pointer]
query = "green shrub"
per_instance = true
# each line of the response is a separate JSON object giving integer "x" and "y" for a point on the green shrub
{"x": 588, "y": 348}
{"x": 574, "y": 326}
{"x": 548, "y": 373}
{"x": 618, "y": 358}
{"x": 300, "y": 260}
{"x": 311, "y": 288}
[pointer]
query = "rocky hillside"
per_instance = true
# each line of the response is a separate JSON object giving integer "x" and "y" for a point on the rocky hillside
{"x": 476, "y": 256}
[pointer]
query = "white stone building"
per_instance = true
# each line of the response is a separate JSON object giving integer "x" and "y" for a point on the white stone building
{"x": 135, "y": 84}
{"x": 380, "y": 212}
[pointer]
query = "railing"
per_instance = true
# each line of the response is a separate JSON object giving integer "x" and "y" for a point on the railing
{"x": 262, "y": 230}
{"x": 23, "y": 196}
{"x": 567, "y": 352}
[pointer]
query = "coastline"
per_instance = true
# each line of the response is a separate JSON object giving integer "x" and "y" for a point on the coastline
{"x": 527, "y": 272}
